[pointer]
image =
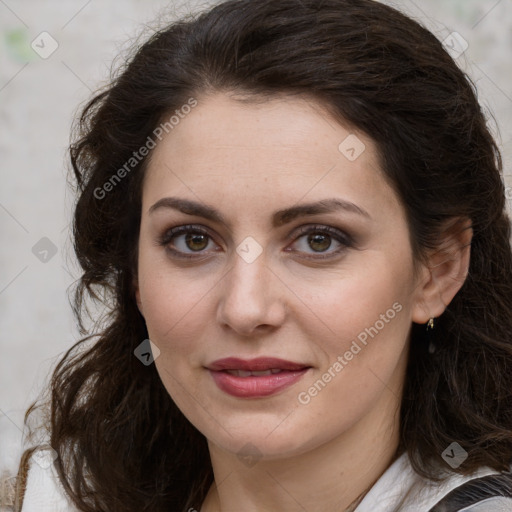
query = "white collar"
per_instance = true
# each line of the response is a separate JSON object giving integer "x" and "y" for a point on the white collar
{"x": 401, "y": 489}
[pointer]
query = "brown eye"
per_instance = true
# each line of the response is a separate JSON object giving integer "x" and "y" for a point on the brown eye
{"x": 184, "y": 241}
{"x": 317, "y": 239}
{"x": 319, "y": 242}
{"x": 196, "y": 241}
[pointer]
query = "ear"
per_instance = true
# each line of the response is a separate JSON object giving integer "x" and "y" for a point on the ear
{"x": 445, "y": 271}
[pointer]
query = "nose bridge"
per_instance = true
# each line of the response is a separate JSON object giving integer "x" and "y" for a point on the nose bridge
{"x": 249, "y": 296}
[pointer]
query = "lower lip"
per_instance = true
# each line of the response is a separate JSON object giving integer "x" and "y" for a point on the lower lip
{"x": 256, "y": 386}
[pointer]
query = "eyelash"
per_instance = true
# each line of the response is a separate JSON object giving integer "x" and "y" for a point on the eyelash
{"x": 344, "y": 239}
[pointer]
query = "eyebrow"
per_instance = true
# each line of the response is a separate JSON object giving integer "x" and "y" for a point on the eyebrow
{"x": 279, "y": 218}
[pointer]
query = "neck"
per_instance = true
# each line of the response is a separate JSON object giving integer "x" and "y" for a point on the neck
{"x": 332, "y": 477}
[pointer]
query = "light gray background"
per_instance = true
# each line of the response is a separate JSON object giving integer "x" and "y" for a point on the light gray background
{"x": 38, "y": 99}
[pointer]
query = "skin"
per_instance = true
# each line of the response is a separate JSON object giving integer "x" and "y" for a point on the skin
{"x": 248, "y": 160}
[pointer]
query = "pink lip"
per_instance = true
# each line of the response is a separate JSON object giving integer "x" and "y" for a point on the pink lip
{"x": 258, "y": 364}
{"x": 255, "y": 386}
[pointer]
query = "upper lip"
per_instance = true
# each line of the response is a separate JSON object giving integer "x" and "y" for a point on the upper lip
{"x": 258, "y": 364}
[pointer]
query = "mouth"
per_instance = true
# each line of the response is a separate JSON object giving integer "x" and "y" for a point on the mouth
{"x": 260, "y": 364}
{"x": 255, "y": 378}
{"x": 249, "y": 373}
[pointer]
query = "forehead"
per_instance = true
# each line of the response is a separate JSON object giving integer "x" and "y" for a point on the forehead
{"x": 275, "y": 125}
{"x": 284, "y": 148}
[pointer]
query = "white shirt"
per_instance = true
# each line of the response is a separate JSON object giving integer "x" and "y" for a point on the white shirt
{"x": 399, "y": 489}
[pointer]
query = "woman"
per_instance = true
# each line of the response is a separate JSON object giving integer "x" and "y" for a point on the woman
{"x": 295, "y": 214}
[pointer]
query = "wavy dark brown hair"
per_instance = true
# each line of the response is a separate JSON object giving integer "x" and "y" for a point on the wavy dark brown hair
{"x": 123, "y": 444}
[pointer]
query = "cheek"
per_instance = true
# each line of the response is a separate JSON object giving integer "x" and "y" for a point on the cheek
{"x": 176, "y": 313}
{"x": 175, "y": 302}
{"x": 362, "y": 326}
{"x": 168, "y": 311}
{"x": 343, "y": 304}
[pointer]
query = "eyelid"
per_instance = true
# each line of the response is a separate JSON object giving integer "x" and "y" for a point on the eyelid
{"x": 331, "y": 230}
{"x": 168, "y": 234}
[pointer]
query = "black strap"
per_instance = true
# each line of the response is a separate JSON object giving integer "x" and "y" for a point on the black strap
{"x": 475, "y": 491}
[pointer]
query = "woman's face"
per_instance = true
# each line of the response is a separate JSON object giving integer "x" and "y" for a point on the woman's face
{"x": 328, "y": 289}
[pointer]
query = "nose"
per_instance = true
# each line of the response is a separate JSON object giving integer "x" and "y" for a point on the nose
{"x": 252, "y": 298}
